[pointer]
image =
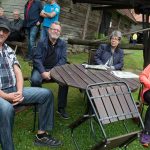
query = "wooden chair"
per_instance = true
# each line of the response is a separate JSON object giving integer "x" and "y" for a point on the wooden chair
{"x": 19, "y": 108}
{"x": 111, "y": 102}
{"x": 23, "y": 107}
{"x": 91, "y": 56}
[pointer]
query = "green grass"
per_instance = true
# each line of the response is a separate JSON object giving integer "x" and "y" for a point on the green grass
{"x": 23, "y": 135}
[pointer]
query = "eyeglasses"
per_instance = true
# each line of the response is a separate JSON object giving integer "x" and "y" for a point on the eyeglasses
{"x": 56, "y": 30}
{"x": 4, "y": 30}
{"x": 115, "y": 38}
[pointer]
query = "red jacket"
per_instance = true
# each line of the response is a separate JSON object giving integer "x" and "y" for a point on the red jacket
{"x": 145, "y": 79}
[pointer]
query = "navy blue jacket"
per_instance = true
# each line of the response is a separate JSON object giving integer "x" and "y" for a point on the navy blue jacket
{"x": 33, "y": 14}
{"x": 41, "y": 52}
{"x": 103, "y": 53}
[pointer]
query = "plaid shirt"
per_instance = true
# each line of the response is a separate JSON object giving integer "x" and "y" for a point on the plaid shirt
{"x": 7, "y": 61}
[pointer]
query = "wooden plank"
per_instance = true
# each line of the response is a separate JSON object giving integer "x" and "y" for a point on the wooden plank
{"x": 101, "y": 74}
{"x": 66, "y": 77}
{"x": 115, "y": 102}
{"x": 108, "y": 105}
{"x": 134, "y": 84}
{"x": 86, "y": 21}
{"x": 58, "y": 78}
{"x": 108, "y": 75}
{"x": 83, "y": 74}
{"x": 123, "y": 102}
{"x": 89, "y": 73}
{"x": 73, "y": 72}
{"x": 20, "y": 108}
{"x": 99, "y": 106}
{"x": 129, "y": 101}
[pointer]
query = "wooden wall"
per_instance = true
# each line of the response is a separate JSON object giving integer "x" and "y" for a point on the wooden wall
{"x": 10, "y": 5}
{"x": 73, "y": 17}
{"x": 78, "y": 20}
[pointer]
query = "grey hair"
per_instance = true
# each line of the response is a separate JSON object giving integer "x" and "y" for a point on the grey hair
{"x": 116, "y": 33}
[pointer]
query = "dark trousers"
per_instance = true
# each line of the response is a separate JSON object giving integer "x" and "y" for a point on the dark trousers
{"x": 147, "y": 115}
{"x": 36, "y": 81}
{"x": 16, "y": 36}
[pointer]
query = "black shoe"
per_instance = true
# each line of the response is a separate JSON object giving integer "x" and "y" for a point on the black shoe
{"x": 47, "y": 140}
{"x": 63, "y": 113}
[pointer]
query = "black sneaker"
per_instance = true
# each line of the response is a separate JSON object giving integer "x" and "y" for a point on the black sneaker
{"x": 47, "y": 140}
{"x": 63, "y": 113}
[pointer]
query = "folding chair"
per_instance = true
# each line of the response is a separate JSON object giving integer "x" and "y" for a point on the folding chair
{"x": 111, "y": 103}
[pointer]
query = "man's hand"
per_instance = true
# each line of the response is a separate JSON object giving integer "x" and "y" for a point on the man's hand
{"x": 15, "y": 97}
{"x": 38, "y": 23}
{"x": 106, "y": 66}
{"x": 46, "y": 75}
{"x": 112, "y": 67}
{"x": 43, "y": 14}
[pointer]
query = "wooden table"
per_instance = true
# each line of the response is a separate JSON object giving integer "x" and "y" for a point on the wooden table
{"x": 79, "y": 77}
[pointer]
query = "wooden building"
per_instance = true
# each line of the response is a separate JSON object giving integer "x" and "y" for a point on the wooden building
{"x": 80, "y": 20}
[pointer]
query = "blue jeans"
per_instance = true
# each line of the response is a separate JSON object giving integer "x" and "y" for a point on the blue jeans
{"x": 45, "y": 100}
{"x": 32, "y": 35}
{"x": 36, "y": 81}
{"x": 44, "y": 32}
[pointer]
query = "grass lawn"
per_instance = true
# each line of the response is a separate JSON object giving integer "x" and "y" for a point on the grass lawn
{"x": 23, "y": 135}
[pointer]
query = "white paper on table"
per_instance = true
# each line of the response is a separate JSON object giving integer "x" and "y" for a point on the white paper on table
{"x": 124, "y": 74}
{"x": 100, "y": 67}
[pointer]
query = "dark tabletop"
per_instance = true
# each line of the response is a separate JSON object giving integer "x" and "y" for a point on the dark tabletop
{"x": 77, "y": 76}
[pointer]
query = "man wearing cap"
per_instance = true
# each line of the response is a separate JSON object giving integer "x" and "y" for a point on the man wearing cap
{"x": 110, "y": 54}
{"x": 12, "y": 93}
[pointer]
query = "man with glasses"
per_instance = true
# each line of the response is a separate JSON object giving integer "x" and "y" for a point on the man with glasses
{"x": 50, "y": 52}
{"x": 12, "y": 93}
{"x": 110, "y": 54}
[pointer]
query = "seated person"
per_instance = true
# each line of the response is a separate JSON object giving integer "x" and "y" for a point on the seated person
{"x": 2, "y": 12}
{"x": 13, "y": 93}
{"x": 2, "y": 15}
{"x": 16, "y": 26}
{"x": 110, "y": 55}
{"x": 50, "y": 52}
{"x": 145, "y": 80}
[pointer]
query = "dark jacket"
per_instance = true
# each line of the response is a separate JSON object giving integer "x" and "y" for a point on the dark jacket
{"x": 33, "y": 14}
{"x": 17, "y": 31}
{"x": 103, "y": 53}
{"x": 16, "y": 25}
{"x": 41, "y": 52}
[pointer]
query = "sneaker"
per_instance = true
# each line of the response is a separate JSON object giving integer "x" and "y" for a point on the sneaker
{"x": 145, "y": 139}
{"x": 47, "y": 140}
{"x": 63, "y": 113}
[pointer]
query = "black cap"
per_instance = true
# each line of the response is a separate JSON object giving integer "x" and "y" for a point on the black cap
{"x": 4, "y": 24}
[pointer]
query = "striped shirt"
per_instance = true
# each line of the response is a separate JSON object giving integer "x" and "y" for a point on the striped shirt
{"x": 7, "y": 61}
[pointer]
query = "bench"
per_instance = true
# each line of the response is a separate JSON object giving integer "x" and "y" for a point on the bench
{"x": 20, "y": 108}
{"x": 18, "y": 46}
